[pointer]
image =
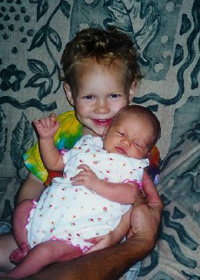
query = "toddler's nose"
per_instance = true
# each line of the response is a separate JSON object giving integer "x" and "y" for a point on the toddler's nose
{"x": 102, "y": 108}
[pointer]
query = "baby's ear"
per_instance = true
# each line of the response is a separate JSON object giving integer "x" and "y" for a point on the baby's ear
{"x": 148, "y": 154}
{"x": 68, "y": 93}
{"x": 132, "y": 91}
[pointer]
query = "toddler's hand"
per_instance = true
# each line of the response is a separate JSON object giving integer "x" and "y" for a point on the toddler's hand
{"x": 46, "y": 127}
{"x": 86, "y": 178}
{"x": 101, "y": 242}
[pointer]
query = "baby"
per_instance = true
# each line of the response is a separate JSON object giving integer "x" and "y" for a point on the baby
{"x": 100, "y": 182}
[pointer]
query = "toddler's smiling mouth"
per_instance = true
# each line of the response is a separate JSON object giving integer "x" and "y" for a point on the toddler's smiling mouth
{"x": 102, "y": 122}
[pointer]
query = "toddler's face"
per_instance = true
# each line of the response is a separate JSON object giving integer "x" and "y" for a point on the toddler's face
{"x": 130, "y": 135}
{"x": 99, "y": 93}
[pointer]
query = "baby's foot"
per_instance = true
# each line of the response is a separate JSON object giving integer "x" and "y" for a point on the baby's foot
{"x": 18, "y": 254}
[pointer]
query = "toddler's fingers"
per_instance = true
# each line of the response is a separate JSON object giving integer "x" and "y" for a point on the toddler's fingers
{"x": 78, "y": 178}
{"x": 55, "y": 124}
{"x": 45, "y": 122}
{"x": 50, "y": 123}
{"x": 98, "y": 243}
{"x": 36, "y": 122}
{"x": 39, "y": 122}
{"x": 85, "y": 167}
{"x": 80, "y": 175}
{"x": 96, "y": 239}
{"x": 77, "y": 183}
{"x": 53, "y": 120}
{"x": 93, "y": 240}
{"x": 53, "y": 115}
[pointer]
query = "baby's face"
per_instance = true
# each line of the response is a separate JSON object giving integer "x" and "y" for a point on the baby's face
{"x": 130, "y": 135}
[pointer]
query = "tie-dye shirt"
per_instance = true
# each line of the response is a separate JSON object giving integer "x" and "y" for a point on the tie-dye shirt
{"x": 68, "y": 134}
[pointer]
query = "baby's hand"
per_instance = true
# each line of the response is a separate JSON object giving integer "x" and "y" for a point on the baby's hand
{"x": 46, "y": 127}
{"x": 86, "y": 178}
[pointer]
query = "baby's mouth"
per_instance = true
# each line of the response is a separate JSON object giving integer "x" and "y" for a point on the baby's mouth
{"x": 120, "y": 150}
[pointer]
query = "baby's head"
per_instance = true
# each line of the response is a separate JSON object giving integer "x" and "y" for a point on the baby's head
{"x": 101, "y": 46}
{"x": 132, "y": 132}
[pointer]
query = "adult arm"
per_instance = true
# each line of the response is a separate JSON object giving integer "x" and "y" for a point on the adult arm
{"x": 113, "y": 262}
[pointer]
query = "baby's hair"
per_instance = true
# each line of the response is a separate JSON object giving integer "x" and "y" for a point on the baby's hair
{"x": 144, "y": 111}
{"x": 103, "y": 45}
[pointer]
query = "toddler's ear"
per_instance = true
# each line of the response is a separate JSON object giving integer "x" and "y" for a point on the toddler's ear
{"x": 68, "y": 93}
{"x": 132, "y": 91}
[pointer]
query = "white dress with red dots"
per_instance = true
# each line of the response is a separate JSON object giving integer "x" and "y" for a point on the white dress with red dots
{"x": 74, "y": 213}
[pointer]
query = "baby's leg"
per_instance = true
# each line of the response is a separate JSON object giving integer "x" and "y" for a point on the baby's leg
{"x": 20, "y": 218}
{"x": 19, "y": 254}
{"x": 42, "y": 255}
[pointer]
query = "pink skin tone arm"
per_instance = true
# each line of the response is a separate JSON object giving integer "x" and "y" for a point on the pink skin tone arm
{"x": 114, "y": 236}
{"x": 124, "y": 193}
{"x": 122, "y": 229}
{"x": 46, "y": 129}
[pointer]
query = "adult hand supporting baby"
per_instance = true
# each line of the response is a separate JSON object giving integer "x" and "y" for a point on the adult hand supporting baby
{"x": 146, "y": 213}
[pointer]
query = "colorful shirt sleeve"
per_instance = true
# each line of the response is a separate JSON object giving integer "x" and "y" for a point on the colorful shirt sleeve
{"x": 154, "y": 163}
{"x": 69, "y": 132}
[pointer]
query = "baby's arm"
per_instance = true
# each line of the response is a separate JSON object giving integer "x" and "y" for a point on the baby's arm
{"x": 124, "y": 193}
{"x": 46, "y": 129}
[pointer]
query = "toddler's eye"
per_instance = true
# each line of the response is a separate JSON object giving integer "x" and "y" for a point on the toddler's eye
{"x": 114, "y": 95}
{"x": 88, "y": 97}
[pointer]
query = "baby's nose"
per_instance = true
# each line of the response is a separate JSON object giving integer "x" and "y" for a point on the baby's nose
{"x": 126, "y": 142}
